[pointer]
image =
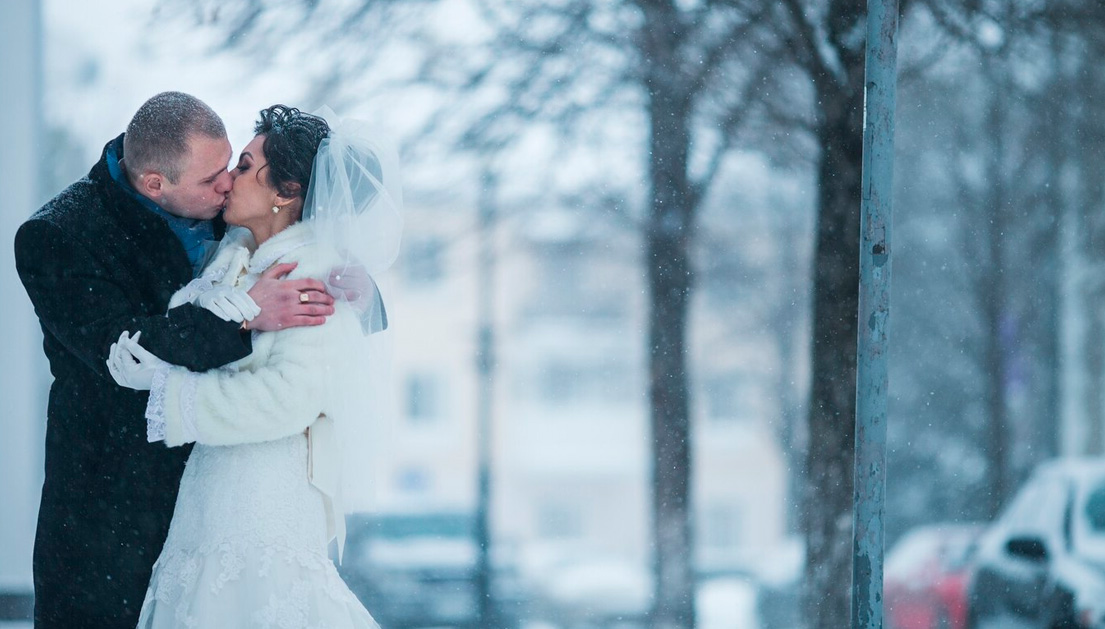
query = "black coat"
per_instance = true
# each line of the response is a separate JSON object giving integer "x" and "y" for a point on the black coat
{"x": 95, "y": 262}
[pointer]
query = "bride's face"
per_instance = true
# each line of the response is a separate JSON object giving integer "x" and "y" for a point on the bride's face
{"x": 252, "y": 198}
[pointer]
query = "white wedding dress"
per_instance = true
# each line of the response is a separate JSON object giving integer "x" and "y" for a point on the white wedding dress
{"x": 247, "y": 547}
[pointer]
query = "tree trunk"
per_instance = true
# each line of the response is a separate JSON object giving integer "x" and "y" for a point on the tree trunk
{"x": 1091, "y": 299}
{"x": 789, "y": 319}
{"x": 670, "y": 222}
{"x": 1094, "y": 361}
{"x": 1048, "y": 420}
{"x": 669, "y": 292}
{"x": 831, "y": 453}
{"x": 992, "y": 291}
{"x": 997, "y": 428}
{"x": 1090, "y": 181}
{"x": 1047, "y": 301}
{"x": 999, "y": 333}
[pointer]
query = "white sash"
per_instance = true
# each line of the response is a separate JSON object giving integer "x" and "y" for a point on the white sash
{"x": 324, "y": 472}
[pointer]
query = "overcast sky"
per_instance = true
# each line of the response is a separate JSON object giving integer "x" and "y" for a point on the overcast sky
{"x": 105, "y": 57}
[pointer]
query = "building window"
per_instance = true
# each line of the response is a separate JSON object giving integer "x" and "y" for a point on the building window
{"x": 560, "y": 382}
{"x": 573, "y": 281}
{"x": 424, "y": 397}
{"x": 728, "y": 398}
{"x": 721, "y": 526}
{"x": 559, "y": 521}
{"x": 412, "y": 480}
{"x": 569, "y": 381}
{"x": 424, "y": 261}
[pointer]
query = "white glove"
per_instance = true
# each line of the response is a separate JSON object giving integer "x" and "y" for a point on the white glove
{"x": 132, "y": 365}
{"x": 228, "y": 303}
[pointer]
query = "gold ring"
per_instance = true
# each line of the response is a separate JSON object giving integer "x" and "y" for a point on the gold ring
{"x": 304, "y": 298}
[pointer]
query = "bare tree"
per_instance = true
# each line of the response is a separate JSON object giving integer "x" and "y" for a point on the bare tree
{"x": 1078, "y": 94}
{"x": 1035, "y": 175}
{"x": 555, "y": 63}
{"x": 702, "y": 77}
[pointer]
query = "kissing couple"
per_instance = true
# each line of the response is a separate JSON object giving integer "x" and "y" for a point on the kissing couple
{"x": 212, "y": 334}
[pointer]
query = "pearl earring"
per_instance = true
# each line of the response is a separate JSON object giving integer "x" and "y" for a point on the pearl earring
{"x": 275, "y": 210}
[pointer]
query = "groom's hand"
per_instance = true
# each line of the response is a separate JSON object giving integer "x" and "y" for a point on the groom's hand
{"x": 283, "y": 304}
{"x": 352, "y": 283}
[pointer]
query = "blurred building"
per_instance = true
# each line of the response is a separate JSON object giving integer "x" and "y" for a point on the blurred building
{"x": 23, "y": 380}
{"x": 570, "y": 432}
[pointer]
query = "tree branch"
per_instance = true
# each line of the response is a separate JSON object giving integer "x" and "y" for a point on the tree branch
{"x": 807, "y": 40}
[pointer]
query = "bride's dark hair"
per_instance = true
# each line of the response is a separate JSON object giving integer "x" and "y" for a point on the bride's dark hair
{"x": 291, "y": 141}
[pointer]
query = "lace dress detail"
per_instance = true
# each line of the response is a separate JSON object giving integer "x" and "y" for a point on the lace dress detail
{"x": 155, "y": 407}
{"x": 247, "y": 547}
{"x": 188, "y": 408}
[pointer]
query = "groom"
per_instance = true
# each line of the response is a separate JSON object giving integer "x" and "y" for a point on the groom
{"x": 105, "y": 256}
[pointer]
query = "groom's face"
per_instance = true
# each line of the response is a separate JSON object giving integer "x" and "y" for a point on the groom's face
{"x": 204, "y": 183}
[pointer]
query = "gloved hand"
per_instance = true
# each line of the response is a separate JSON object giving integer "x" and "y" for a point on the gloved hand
{"x": 352, "y": 283}
{"x": 131, "y": 365}
{"x": 229, "y": 304}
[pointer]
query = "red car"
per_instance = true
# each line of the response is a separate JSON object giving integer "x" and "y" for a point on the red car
{"x": 925, "y": 583}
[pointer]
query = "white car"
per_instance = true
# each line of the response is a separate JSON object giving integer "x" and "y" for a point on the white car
{"x": 1042, "y": 563}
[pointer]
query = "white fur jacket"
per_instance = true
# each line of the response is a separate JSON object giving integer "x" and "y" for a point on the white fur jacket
{"x": 279, "y": 389}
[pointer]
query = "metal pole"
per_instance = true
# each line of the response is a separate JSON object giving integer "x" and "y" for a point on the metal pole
{"x": 485, "y": 364}
{"x": 874, "y": 312}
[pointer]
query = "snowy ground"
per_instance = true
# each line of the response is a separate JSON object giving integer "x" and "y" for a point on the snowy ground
{"x": 15, "y": 625}
{"x": 727, "y": 603}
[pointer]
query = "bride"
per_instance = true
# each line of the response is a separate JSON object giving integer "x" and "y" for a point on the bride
{"x": 263, "y": 492}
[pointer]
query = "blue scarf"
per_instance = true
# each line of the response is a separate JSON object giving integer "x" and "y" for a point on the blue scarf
{"x": 196, "y": 235}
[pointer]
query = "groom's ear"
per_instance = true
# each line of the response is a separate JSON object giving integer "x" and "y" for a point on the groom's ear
{"x": 151, "y": 185}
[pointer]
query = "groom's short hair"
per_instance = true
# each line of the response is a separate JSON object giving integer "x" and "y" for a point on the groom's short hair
{"x": 157, "y": 136}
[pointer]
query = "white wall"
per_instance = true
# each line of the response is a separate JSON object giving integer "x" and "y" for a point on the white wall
{"x": 23, "y": 382}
